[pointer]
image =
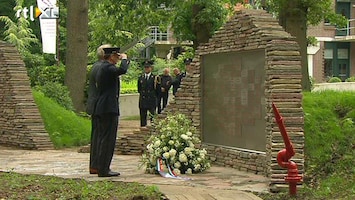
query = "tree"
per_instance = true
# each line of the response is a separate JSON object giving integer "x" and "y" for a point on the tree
{"x": 18, "y": 32}
{"x": 197, "y": 20}
{"x": 77, "y": 45}
{"x": 120, "y": 22}
{"x": 6, "y": 10}
{"x": 295, "y": 15}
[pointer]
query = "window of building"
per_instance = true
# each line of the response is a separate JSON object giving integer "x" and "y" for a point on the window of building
{"x": 342, "y": 70}
{"x": 157, "y": 34}
{"x": 328, "y": 54}
{"x": 343, "y": 54}
{"x": 328, "y": 63}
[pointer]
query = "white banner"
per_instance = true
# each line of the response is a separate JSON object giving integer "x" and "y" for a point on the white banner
{"x": 48, "y": 22}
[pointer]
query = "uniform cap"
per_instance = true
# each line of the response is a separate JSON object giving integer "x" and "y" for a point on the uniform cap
{"x": 187, "y": 61}
{"x": 112, "y": 50}
{"x": 148, "y": 63}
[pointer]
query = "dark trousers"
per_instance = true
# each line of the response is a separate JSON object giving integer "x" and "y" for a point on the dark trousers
{"x": 143, "y": 115}
{"x": 94, "y": 143}
{"x": 107, "y": 133}
{"x": 162, "y": 96}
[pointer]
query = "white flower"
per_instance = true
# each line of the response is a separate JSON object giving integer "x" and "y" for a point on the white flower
{"x": 172, "y": 152}
{"x": 185, "y": 137}
{"x": 165, "y": 149}
{"x": 177, "y": 144}
{"x": 197, "y": 167}
{"x": 202, "y": 156}
{"x": 157, "y": 143}
{"x": 177, "y": 171}
{"x": 188, "y": 151}
{"x": 177, "y": 165}
{"x": 189, "y": 171}
{"x": 166, "y": 155}
{"x": 178, "y": 148}
{"x": 157, "y": 153}
{"x": 191, "y": 144}
{"x": 150, "y": 148}
{"x": 182, "y": 158}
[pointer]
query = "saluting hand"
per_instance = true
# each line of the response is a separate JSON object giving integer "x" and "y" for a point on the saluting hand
{"x": 123, "y": 56}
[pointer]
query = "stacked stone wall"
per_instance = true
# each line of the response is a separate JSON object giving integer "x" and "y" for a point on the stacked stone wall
{"x": 21, "y": 124}
{"x": 253, "y": 30}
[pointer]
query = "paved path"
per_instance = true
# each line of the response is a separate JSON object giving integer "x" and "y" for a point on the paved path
{"x": 217, "y": 183}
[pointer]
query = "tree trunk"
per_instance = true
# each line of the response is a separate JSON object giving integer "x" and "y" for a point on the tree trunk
{"x": 76, "y": 51}
{"x": 292, "y": 17}
{"x": 202, "y": 31}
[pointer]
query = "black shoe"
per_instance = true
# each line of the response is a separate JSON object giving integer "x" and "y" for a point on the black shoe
{"x": 109, "y": 174}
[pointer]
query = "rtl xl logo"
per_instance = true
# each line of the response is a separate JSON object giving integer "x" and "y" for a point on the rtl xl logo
{"x": 47, "y": 13}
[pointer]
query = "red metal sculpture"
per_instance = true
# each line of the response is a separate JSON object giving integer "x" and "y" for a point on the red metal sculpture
{"x": 284, "y": 156}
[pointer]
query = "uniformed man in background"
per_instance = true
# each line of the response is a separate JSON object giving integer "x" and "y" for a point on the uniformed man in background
{"x": 148, "y": 89}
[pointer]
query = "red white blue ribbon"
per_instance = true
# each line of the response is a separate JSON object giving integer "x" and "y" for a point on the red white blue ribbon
{"x": 170, "y": 173}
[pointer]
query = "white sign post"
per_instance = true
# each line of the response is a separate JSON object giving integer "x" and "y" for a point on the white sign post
{"x": 48, "y": 23}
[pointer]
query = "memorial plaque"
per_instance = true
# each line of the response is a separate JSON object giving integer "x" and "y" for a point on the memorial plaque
{"x": 233, "y": 100}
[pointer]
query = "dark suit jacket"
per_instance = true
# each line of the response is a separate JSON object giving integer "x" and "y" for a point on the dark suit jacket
{"x": 166, "y": 81}
{"x": 108, "y": 85}
{"x": 177, "y": 81}
{"x": 148, "y": 91}
{"x": 92, "y": 90}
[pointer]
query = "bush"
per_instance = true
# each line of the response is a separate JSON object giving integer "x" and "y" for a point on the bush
{"x": 133, "y": 72}
{"x": 58, "y": 93}
{"x": 334, "y": 80}
{"x": 33, "y": 60}
{"x": 176, "y": 142}
{"x": 350, "y": 79}
{"x": 129, "y": 87}
{"x": 41, "y": 75}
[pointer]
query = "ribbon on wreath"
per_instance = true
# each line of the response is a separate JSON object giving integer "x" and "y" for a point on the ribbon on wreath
{"x": 170, "y": 173}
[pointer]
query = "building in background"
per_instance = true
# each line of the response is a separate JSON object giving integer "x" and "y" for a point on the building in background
{"x": 334, "y": 55}
{"x": 162, "y": 44}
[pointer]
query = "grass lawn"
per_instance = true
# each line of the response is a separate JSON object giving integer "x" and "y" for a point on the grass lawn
{"x": 18, "y": 186}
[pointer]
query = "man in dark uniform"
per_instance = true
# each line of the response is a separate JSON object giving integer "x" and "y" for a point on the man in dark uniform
{"x": 107, "y": 108}
{"x": 165, "y": 87}
{"x": 90, "y": 107}
{"x": 148, "y": 88}
{"x": 177, "y": 80}
{"x": 180, "y": 75}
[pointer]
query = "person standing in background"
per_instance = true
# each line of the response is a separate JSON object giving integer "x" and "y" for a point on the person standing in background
{"x": 148, "y": 89}
{"x": 177, "y": 80}
{"x": 166, "y": 81}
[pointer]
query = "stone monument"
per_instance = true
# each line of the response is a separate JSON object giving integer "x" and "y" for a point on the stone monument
{"x": 21, "y": 124}
{"x": 246, "y": 65}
